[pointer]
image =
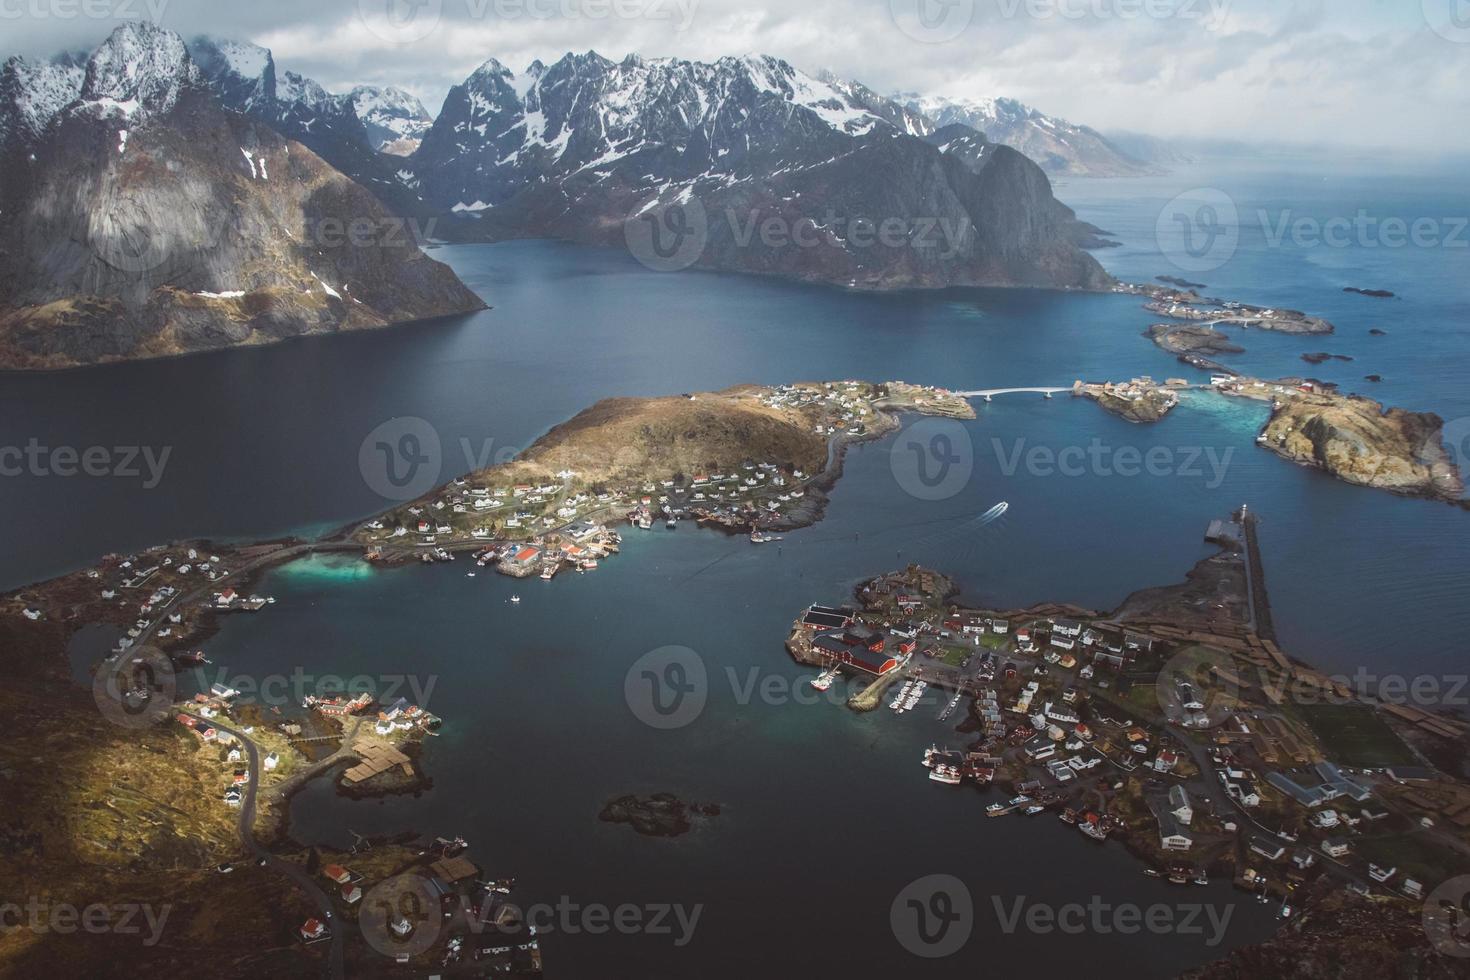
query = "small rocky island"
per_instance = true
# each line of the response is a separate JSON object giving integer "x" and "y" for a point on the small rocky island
{"x": 1181, "y": 304}
{"x": 1138, "y": 400}
{"x": 1355, "y": 438}
{"x": 658, "y": 815}
{"x": 1191, "y": 339}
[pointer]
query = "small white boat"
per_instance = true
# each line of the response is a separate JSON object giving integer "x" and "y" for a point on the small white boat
{"x": 515, "y": 598}
{"x": 470, "y": 575}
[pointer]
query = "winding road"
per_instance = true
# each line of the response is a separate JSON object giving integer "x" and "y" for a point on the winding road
{"x": 295, "y": 872}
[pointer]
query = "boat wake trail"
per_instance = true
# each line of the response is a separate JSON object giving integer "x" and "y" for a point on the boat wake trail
{"x": 994, "y": 513}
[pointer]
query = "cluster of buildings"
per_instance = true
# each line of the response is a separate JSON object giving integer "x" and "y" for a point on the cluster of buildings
{"x": 579, "y": 546}
{"x": 844, "y": 406}
{"x": 398, "y": 717}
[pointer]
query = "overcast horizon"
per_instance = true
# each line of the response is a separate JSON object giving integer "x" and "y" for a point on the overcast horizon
{"x": 1303, "y": 73}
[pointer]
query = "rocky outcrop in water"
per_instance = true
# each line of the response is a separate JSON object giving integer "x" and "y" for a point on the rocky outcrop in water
{"x": 659, "y": 815}
{"x": 1355, "y": 440}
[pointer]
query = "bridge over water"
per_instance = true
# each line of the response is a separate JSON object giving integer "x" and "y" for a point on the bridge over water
{"x": 988, "y": 393}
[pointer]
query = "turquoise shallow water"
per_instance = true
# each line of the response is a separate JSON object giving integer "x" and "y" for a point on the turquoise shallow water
{"x": 827, "y": 814}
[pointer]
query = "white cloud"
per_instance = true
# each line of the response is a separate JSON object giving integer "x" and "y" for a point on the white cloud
{"x": 1356, "y": 72}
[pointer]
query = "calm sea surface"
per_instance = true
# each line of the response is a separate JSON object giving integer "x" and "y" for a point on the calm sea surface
{"x": 826, "y": 814}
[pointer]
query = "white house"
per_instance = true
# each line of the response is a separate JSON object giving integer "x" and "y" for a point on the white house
{"x": 1180, "y": 806}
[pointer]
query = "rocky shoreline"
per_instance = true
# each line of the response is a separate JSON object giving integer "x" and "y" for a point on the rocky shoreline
{"x": 1357, "y": 441}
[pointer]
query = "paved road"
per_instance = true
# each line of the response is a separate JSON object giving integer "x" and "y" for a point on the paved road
{"x": 988, "y": 392}
{"x": 1217, "y": 793}
{"x": 295, "y": 872}
{"x": 217, "y": 585}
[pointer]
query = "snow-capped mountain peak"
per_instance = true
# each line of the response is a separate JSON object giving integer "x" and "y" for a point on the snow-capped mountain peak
{"x": 31, "y": 95}
{"x": 243, "y": 73}
{"x": 292, "y": 87}
{"x": 140, "y": 69}
{"x": 396, "y": 121}
{"x": 1061, "y": 147}
{"x": 576, "y": 148}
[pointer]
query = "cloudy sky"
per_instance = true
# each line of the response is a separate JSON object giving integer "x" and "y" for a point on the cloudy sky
{"x": 1365, "y": 73}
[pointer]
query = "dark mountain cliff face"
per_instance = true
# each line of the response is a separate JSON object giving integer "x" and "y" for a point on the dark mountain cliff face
{"x": 146, "y": 220}
{"x": 781, "y": 173}
{"x": 244, "y": 78}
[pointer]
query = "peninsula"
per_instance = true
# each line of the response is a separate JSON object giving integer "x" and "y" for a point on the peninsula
{"x": 751, "y": 459}
{"x": 1173, "y": 724}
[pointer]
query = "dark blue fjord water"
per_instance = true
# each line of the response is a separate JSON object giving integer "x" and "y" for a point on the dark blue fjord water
{"x": 827, "y": 814}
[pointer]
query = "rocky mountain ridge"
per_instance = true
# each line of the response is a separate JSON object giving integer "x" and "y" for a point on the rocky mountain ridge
{"x": 1061, "y": 148}
{"x": 588, "y": 149}
{"x": 145, "y": 219}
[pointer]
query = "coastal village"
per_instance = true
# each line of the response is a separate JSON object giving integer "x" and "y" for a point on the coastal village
{"x": 1186, "y": 734}
{"x": 554, "y": 508}
{"x": 1052, "y": 709}
{"x": 245, "y": 758}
